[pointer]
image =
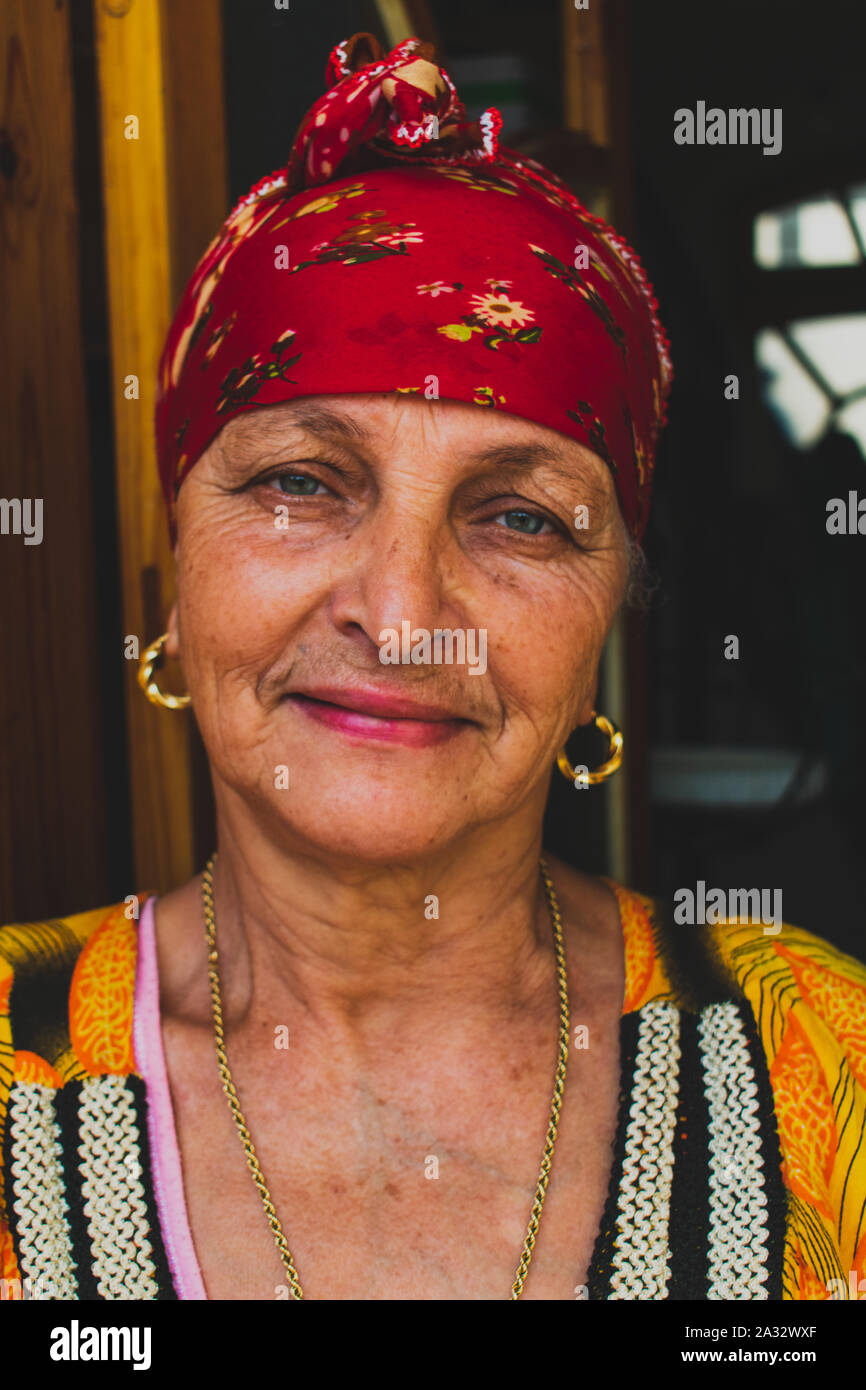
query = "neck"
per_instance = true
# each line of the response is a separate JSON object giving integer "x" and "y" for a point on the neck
{"x": 361, "y": 946}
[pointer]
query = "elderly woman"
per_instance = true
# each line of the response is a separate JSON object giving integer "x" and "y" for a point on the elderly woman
{"x": 383, "y": 1048}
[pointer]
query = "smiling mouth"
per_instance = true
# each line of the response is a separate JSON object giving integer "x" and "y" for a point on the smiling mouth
{"x": 386, "y": 718}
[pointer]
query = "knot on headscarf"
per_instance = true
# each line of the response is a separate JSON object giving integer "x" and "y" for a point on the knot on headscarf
{"x": 388, "y": 105}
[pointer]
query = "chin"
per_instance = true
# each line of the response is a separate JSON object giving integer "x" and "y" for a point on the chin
{"x": 358, "y": 817}
{"x": 376, "y": 801}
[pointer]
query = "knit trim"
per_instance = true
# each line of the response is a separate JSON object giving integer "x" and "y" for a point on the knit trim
{"x": 641, "y": 1262}
{"x": 83, "y": 1217}
{"x": 114, "y": 1207}
{"x": 39, "y": 1209}
{"x": 738, "y": 1216}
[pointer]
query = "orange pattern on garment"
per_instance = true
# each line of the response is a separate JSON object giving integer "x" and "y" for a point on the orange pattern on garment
{"x": 6, "y": 978}
{"x": 7, "y": 1063}
{"x": 101, "y": 997}
{"x": 8, "y": 1263}
{"x": 639, "y": 945}
{"x": 808, "y": 1287}
{"x": 33, "y": 1070}
{"x": 838, "y": 1000}
{"x": 804, "y": 1112}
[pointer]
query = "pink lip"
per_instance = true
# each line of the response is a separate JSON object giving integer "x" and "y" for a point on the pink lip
{"x": 375, "y": 714}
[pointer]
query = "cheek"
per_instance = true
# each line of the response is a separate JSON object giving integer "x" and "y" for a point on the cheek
{"x": 238, "y": 598}
{"x": 544, "y": 650}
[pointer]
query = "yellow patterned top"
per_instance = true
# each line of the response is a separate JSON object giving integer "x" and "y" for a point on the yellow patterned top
{"x": 807, "y": 997}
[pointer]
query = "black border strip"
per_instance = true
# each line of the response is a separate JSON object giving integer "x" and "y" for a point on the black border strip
{"x": 165, "y": 1285}
{"x": 67, "y": 1106}
{"x": 689, "y": 1225}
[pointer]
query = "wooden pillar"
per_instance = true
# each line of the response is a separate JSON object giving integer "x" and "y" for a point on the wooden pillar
{"x": 164, "y": 176}
{"x": 52, "y": 816}
{"x": 584, "y": 71}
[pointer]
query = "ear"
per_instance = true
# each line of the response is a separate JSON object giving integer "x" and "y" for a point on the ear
{"x": 172, "y": 645}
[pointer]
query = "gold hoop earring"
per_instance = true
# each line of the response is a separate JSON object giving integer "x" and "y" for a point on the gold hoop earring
{"x": 151, "y": 660}
{"x": 609, "y": 766}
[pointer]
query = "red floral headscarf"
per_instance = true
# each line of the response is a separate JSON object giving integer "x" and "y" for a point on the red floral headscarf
{"x": 403, "y": 249}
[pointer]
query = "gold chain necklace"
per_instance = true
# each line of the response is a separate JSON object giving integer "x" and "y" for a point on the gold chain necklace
{"x": 228, "y": 1086}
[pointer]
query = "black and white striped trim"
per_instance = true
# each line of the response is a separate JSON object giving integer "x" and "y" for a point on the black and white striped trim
{"x": 114, "y": 1197}
{"x": 738, "y": 1200}
{"x": 83, "y": 1215}
{"x": 38, "y": 1194}
{"x": 641, "y": 1260}
{"x": 696, "y": 1208}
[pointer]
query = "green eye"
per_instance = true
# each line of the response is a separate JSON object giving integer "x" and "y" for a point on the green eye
{"x": 297, "y": 484}
{"x": 529, "y": 523}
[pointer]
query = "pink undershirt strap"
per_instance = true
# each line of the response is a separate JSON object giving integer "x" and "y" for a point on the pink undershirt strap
{"x": 165, "y": 1156}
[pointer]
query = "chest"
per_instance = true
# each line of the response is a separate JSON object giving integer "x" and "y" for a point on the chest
{"x": 399, "y": 1191}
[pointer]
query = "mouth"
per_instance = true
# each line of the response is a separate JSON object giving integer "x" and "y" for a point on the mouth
{"x": 377, "y": 715}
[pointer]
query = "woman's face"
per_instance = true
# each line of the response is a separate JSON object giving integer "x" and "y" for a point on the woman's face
{"x": 308, "y": 530}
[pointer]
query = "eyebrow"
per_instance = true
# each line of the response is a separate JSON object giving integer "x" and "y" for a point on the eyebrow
{"x": 318, "y": 419}
{"x": 517, "y": 460}
{"x": 524, "y": 458}
{"x": 256, "y": 433}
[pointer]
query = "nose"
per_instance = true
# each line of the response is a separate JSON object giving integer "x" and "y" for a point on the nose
{"x": 399, "y": 574}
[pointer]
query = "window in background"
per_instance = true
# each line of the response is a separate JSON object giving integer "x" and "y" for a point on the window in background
{"x": 815, "y": 368}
